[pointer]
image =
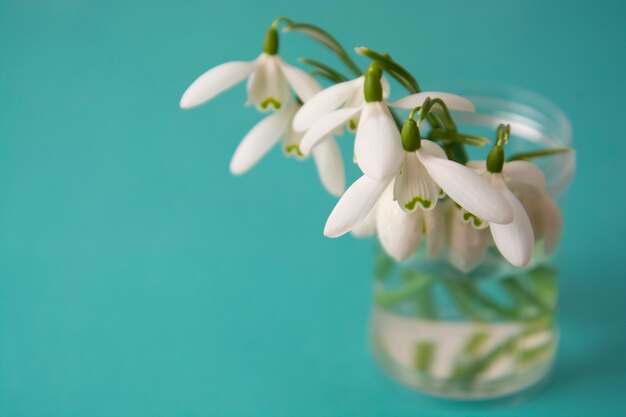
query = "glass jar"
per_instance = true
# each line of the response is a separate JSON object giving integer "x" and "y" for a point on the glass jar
{"x": 490, "y": 332}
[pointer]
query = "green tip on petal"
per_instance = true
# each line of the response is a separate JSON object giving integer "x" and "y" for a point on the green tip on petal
{"x": 418, "y": 200}
{"x": 294, "y": 149}
{"x": 270, "y": 101}
{"x": 476, "y": 221}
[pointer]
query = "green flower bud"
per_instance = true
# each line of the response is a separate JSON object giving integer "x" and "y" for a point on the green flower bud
{"x": 373, "y": 88}
{"x": 495, "y": 160}
{"x": 270, "y": 43}
{"x": 411, "y": 139}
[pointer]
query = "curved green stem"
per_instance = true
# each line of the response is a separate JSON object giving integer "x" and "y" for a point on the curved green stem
{"x": 323, "y": 67}
{"x": 525, "y": 156}
{"x": 393, "y": 68}
{"x": 327, "y": 40}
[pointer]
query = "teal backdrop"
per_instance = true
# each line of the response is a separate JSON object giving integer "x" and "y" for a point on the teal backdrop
{"x": 139, "y": 278}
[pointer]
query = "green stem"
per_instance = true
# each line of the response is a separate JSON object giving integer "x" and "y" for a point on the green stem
{"x": 328, "y": 76}
{"x": 466, "y": 307}
{"x": 424, "y": 356}
{"x": 525, "y": 156}
{"x": 425, "y": 303}
{"x": 523, "y": 296}
{"x": 327, "y": 40}
{"x": 465, "y": 138}
{"x": 389, "y": 298}
{"x": 475, "y": 342}
{"x": 472, "y": 370}
{"x": 321, "y": 66}
{"x": 393, "y": 68}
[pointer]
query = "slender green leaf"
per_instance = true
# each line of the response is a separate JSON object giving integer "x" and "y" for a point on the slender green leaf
{"x": 393, "y": 68}
{"x": 439, "y": 134}
{"x": 327, "y": 40}
{"x": 424, "y": 356}
{"x": 321, "y": 66}
{"x": 524, "y": 156}
{"x": 325, "y": 74}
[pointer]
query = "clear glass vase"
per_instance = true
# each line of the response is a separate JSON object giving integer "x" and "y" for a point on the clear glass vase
{"x": 491, "y": 332}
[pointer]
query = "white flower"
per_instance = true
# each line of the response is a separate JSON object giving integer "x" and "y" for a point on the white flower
{"x": 545, "y": 217}
{"x": 377, "y": 146}
{"x": 514, "y": 240}
{"x": 265, "y": 134}
{"x": 400, "y": 232}
{"x": 348, "y": 94}
{"x": 467, "y": 244}
{"x": 418, "y": 181}
{"x": 268, "y": 85}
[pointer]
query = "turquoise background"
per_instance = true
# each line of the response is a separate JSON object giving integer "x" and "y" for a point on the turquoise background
{"x": 138, "y": 278}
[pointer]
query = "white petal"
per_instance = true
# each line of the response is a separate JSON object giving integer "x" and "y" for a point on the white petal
{"x": 322, "y": 103}
{"x": 399, "y": 232}
{"x": 467, "y": 188}
{"x": 367, "y": 227}
{"x": 435, "y": 229}
{"x": 324, "y": 126}
{"x": 475, "y": 221}
{"x": 545, "y": 217}
{"x": 514, "y": 240}
{"x": 302, "y": 83}
{"x": 357, "y": 97}
{"x": 386, "y": 87}
{"x": 268, "y": 87}
{"x": 260, "y": 140}
{"x": 329, "y": 164}
{"x": 453, "y": 101}
{"x": 466, "y": 245}
{"x": 552, "y": 223}
{"x": 354, "y": 206}
{"x": 292, "y": 139}
{"x": 377, "y": 146}
{"x": 291, "y": 143}
{"x": 433, "y": 149}
{"x": 215, "y": 81}
{"x": 479, "y": 167}
{"x": 524, "y": 177}
{"x": 414, "y": 189}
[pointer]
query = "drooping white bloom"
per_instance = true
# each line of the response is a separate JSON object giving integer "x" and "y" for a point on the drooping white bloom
{"x": 417, "y": 185}
{"x": 400, "y": 232}
{"x": 515, "y": 240}
{"x": 270, "y": 79}
{"x": 347, "y": 94}
{"x": 269, "y": 131}
{"x": 377, "y": 146}
{"x": 467, "y": 244}
{"x": 545, "y": 217}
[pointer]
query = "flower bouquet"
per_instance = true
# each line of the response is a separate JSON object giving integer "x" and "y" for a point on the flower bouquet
{"x": 465, "y": 286}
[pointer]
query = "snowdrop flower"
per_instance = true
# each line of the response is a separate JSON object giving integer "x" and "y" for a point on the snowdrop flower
{"x": 467, "y": 245}
{"x": 528, "y": 184}
{"x": 270, "y": 130}
{"x": 545, "y": 218}
{"x": 514, "y": 240}
{"x": 417, "y": 185}
{"x": 377, "y": 146}
{"x": 347, "y": 94}
{"x": 400, "y": 232}
{"x": 269, "y": 82}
